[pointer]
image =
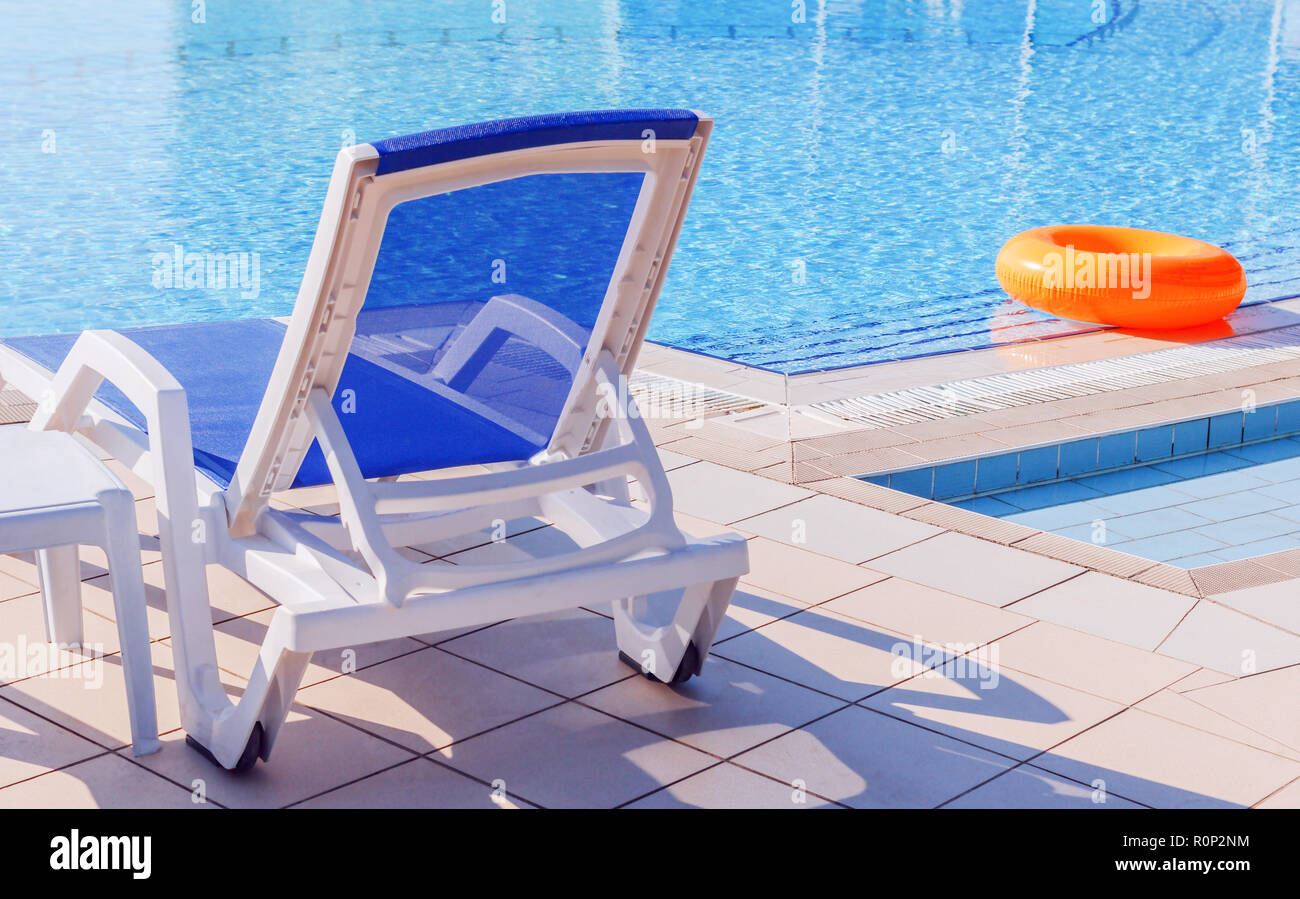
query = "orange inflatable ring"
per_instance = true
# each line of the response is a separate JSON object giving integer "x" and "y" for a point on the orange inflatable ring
{"x": 1121, "y": 276}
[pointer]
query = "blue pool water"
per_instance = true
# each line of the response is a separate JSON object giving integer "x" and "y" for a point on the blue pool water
{"x": 867, "y": 165}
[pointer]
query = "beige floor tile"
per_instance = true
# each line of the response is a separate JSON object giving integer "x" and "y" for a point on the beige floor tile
{"x": 570, "y": 652}
{"x": 1168, "y": 765}
{"x": 715, "y": 493}
{"x": 975, "y": 568}
{"x": 239, "y": 640}
{"x": 11, "y": 586}
{"x": 725, "y": 710}
{"x": 1277, "y": 604}
{"x": 90, "y": 699}
{"x": 1102, "y": 667}
{"x": 1182, "y": 708}
{"x": 1007, "y": 711}
{"x": 752, "y": 607}
{"x": 671, "y": 460}
{"x": 512, "y": 528}
{"x": 23, "y": 650}
{"x": 1287, "y": 797}
{"x": 1230, "y": 642}
{"x": 313, "y": 753}
{"x": 700, "y": 527}
{"x": 1266, "y": 703}
{"x": 868, "y": 760}
{"x": 419, "y": 783}
{"x": 1203, "y": 677}
{"x": 228, "y": 595}
{"x": 838, "y": 528}
{"x": 928, "y": 614}
{"x": 20, "y": 567}
{"x": 1030, "y": 787}
{"x": 107, "y": 781}
{"x": 801, "y": 574}
{"x": 828, "y": 652}
{"x": 1110, "y": 607}
{"x": 727, "y": 786}
{"x": 573, "y": 756}
{"x": 30, "y": 745}
{"x": 531, "y": 544}
{"x": 136, "y": 484}
{"x": 425, "y": 700}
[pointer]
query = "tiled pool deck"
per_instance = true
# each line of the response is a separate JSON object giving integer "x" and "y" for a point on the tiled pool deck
{"x": 884, "y": 651}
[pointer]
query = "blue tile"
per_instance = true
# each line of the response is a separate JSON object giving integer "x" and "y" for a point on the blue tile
{"x": 1112, "y": 482}
{"x": 1078, "y": 457}
{"x": 954, "y": 479}
{"x": 1145, "y": 500}
{"x": 1270, "y": 451}
{"x": 918, "y": 481}
{"x": 1054, "y": 518}
{"x": 1086, "y": 533}
{"x": 1225, "y": 430}
{"x": 1199, "y": 466}
{"x": 1259, "y": 548}
{"x": 1208, "y": 486}
{"x": 1287, "y": 491}
{"x": 987, "y": 505}
{"x": 1156, "y": 521}
{"x": 1241, "y": 531}
{"x": 995, "y": 472}
{"x": 1155, "y": 443}
{"x": 1045, "y": 495}
{"x": 1115, "y": 450}
{"x": 1037, "y": 465}
{"x": 1191, "y": 436}
{"x": 1288, "y": 418}
{"x": 1197, "y": 561}
{"x": 881, "y": 479}
{"x": 1261, "y": 423}
{"x": 1170, "y": 546}
{"x": 1234, "y": 505}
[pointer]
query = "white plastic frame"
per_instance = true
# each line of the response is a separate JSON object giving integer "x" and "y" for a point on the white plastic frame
{"x": 328, "y": 600}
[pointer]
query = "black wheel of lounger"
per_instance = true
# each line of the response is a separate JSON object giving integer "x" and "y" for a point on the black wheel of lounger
{"x": 685, "y": 671}
{"x": 247, "y": 759}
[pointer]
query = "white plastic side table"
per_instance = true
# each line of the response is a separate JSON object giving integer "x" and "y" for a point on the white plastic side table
{"x": 54, "y": 495}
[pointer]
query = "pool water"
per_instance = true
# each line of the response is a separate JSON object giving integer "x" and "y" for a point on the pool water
{"x": 868, "y": 162}
{"x": 1193, "y": 511}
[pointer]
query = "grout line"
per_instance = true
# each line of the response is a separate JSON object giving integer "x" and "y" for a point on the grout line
{"x": 1275, "y": 792}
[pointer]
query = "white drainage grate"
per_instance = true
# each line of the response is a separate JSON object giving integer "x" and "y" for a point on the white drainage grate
{"x": 659, "y": 396}
{"x": 1022, "y": 388}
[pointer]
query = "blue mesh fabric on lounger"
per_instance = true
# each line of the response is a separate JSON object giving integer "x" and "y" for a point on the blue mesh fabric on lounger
{"x": 224, "y": 367}
{"x": 553, "y": 238}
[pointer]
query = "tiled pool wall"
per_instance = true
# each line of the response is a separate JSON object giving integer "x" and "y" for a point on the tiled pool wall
{"x": 982, "y": 475}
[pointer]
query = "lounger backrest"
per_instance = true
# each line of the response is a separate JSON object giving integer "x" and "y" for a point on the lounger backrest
{"x": 495, "y": 262}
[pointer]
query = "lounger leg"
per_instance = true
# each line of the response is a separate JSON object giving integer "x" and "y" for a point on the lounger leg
{"x": 676, "y": 651}
{"x": 60, "y": 578}
{"x": 123, "y": 549}
{"x": 247, "y": 730}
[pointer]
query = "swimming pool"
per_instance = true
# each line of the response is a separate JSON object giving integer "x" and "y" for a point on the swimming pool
{"x": 868, "y": 163}
{"x": 1191, "y": 493}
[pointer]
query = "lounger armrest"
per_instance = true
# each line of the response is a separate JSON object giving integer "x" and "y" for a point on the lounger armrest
{"x": 100, "y": 356}
{"x": 510, "y": 315}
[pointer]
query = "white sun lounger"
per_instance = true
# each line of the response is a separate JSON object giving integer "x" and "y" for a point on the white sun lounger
{"x": 475, "y": 296}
